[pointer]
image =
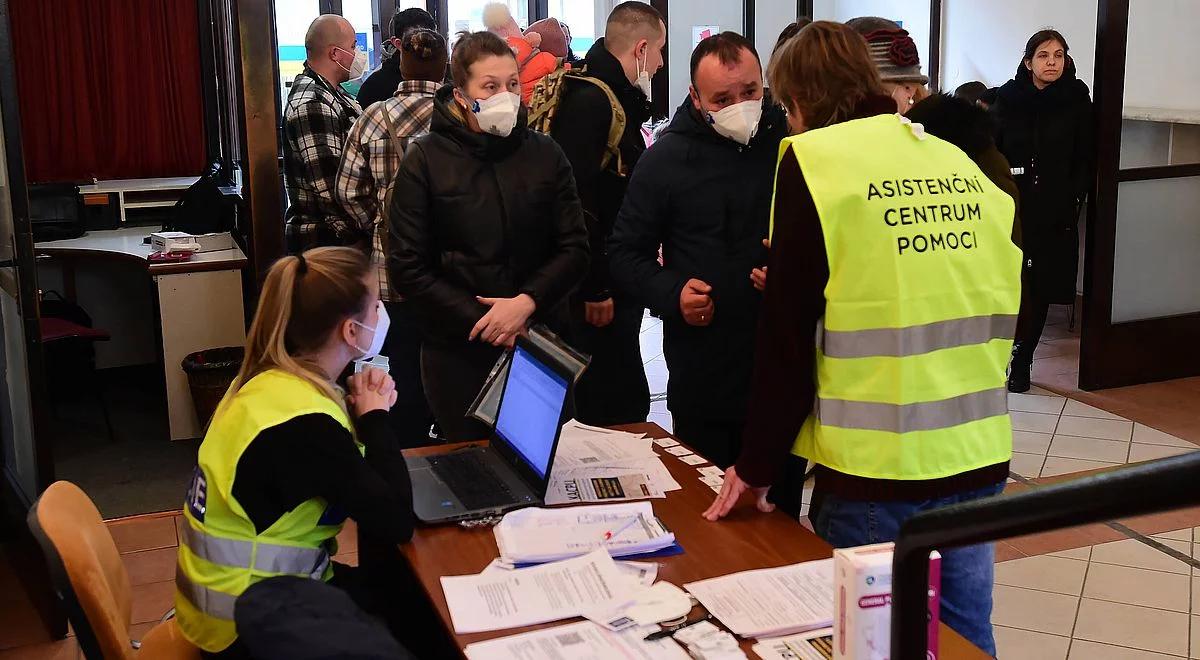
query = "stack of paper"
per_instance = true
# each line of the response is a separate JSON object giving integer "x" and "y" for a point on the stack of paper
{"x": 771, "y": 602}
{"x": 534, "y": 535}
{"x": 499, "y": 599}
{"x": 602, "y": 465}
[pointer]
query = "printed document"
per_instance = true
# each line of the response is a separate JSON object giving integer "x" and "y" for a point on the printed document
{"x": 578, "y": 641}
{"x": 771, "y": 602}
{"x": 499, "y": 599}
{"x": 812, "y": 645}
{"x": 601, "y": 485}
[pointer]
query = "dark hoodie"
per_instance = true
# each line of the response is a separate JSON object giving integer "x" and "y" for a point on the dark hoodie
{"x": 1048, "y": 133}
{"x": 480, "y": 215}
{"x": 707, "y": 201}
{"x": 970, "y": 128}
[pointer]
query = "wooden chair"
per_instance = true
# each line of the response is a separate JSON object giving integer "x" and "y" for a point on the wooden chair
{"x": 91, "y": 581}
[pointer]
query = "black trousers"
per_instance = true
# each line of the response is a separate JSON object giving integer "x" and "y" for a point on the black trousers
{"x": 1031, "y": 322}
{"x": 452, "y": 377}
{"x": 720, "y": 441}
{"x": 410, "y": 417}
{"x": 613, "y": 390}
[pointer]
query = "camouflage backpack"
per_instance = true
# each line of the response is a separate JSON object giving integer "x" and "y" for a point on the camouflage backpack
{"x": 543, "y": 109}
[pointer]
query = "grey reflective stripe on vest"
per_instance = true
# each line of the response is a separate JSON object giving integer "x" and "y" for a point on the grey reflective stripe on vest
{"x": 213, "y": 603}
{"x": 270, "y": 558}
{"x": 905, "y": 418}
{"x": 919, "y": 339}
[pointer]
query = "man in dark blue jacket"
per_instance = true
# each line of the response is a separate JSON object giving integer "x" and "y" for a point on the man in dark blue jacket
{"x": 703, "y": 192}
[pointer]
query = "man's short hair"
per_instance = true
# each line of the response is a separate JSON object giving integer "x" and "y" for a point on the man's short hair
{"x": 630, "y": 22}
{"x": 727, "y": 46}
{"x": 411, "y": 19}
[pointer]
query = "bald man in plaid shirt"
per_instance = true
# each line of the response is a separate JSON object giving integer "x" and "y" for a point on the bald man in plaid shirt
{"x": 374, "y": 149}
{"x": 316, "y": 119}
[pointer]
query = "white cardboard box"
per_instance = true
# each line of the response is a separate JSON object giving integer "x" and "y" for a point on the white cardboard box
{"x": 862, "y": 583}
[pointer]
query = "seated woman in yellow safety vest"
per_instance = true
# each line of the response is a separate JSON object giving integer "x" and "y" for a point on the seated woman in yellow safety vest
{"x": 290, "y": 455}
{"x": 887, "y": 320}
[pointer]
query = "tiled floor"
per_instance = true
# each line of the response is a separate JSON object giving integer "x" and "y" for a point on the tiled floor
{"x": 1122, "y": 599}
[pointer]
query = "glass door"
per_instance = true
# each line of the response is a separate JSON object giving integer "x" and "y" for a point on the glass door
{"x": 1141, "y": 313}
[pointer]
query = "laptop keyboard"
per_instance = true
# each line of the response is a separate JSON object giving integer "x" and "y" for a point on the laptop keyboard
{"x": 471, "y": 480}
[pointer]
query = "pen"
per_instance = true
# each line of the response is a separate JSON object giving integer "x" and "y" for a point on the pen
{"x": 667, "y": 632}
{"x": 608, "y": 536}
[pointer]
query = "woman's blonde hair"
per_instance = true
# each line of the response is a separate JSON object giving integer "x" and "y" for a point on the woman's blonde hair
{"x": 823, "y": 72}
{"x": 303, "y": 301}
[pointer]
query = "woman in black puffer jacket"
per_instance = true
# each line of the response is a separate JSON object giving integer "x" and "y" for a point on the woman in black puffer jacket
{"x": 1045, "y": 117}
{"x": 486, "y": 230}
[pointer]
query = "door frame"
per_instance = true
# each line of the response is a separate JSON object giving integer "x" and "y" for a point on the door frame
{"x": 19, "y": 279}
{"x": 1124, "y": 353}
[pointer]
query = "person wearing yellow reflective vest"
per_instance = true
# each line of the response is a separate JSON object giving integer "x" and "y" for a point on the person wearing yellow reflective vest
{"x": 289, "y": 455}
{"x": 887, "y": 320}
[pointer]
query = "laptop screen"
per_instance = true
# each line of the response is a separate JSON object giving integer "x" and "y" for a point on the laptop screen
{"x": 531, "y": 410}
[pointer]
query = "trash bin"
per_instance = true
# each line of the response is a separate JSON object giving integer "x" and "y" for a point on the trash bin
{"x": 210, "y": 372}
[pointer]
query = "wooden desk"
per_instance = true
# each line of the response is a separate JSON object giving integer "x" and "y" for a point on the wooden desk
{"x": 745, "y": 540}
{"x": 199, "y": 304}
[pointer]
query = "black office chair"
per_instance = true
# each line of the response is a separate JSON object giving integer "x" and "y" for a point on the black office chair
{"x": 69, "y": 341}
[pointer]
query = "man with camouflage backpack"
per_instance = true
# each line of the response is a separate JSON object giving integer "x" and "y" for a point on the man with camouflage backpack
{"x": 596, "y": 115}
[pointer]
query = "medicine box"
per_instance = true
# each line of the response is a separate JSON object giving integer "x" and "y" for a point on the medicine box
{"x": 862, "y": 618}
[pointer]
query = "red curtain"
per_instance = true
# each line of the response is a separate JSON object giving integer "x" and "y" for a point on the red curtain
{"x": 109, "y": 89}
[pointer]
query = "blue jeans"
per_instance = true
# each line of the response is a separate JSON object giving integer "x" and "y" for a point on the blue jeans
{"x": 966, "y": 572}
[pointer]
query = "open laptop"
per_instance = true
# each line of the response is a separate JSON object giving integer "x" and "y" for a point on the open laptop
{"x": 514, "y": 470}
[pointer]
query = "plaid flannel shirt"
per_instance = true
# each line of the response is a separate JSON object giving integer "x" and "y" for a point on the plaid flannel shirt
{"x": 316, "y": 119}
{"x": 372, "y": 159}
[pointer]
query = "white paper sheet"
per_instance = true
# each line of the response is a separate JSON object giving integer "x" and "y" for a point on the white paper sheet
{"x": 499, "y": 599}
{"x": 771, "y": 602}
{"x": 811, "y": 645}
{"x": 692, "y": 459}
{"x": 577, "y": 641}
{"x": 580, "y": 445}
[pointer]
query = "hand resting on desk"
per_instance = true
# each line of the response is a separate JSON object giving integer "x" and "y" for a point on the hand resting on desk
{"x": 731, "y": 492}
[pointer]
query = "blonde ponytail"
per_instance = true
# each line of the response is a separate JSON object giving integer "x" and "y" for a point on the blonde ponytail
{"x": 304, "y": 299}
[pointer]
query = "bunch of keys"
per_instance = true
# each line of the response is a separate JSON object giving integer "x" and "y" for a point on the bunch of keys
{"x": 704, "y": 641}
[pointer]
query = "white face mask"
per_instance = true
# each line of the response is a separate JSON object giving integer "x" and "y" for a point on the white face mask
{"x": 379, "y": 332}
{"x": 643, "y": 77}
{"x": 738, "y": 122}
{"x": 497, "y": 114}
{"x": 358, "y": 67}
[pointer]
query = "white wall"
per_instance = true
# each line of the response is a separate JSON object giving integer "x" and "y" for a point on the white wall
{"x": 985, "y": 40}
{"x": 727, "y": 14}
{"x": 913, "y": 15}
{"x": 770, "y": 17}
{"x": 1163, "y": 54}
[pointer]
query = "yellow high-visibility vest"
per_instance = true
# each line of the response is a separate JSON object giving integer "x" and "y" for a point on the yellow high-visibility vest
{"x": 220, "y": 552}
{"x": 921, "y": 304}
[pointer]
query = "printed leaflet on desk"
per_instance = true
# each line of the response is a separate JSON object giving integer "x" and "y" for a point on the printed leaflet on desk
{"x": 577, "y": 641}
{"x": 499, "y": 599}
{"x": 771, "y": 602}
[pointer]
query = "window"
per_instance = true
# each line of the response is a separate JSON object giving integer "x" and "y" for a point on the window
{"x": 583, "y": 19}
{"x": 290, "y": 27}
{"x": 468, "y": 14}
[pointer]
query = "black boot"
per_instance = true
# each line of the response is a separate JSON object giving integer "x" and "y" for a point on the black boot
{"x": 1019, "y": 371}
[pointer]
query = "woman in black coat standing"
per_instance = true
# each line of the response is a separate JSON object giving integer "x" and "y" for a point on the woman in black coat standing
{"x": 486, "y": 230}
{"x": 1045, "y": 119}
